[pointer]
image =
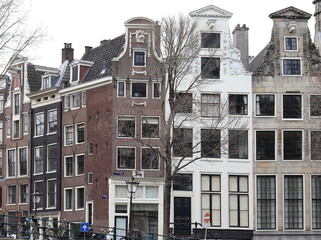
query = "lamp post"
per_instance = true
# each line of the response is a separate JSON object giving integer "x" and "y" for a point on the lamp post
{"x": 36, "y": 200}
{"x": 131, "y": 188}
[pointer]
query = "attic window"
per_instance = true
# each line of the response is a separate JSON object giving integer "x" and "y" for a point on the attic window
{"x": 74, "y": 73}
{"x": 139, "y": 59}
{"x": 46, "y": 82}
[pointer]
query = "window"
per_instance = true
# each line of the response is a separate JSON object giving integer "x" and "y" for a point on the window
{"x": 90, "y": 178}
{"x": 183, "y": 142}
{"x": 139, "y": 59}
{"x": 52, "y": 157}
{"x": 8, "y": 127}
{"x": 150, "y": 127}
{"x": 67, "y": 102}
{"x": 150, "y": 158}
{"x": 291, "y": 67}
{"x": 1, "y": 168}
{"x": 238, "y": 201}
{"x": 292, "y": 106}
{"x": 52, "y": 121}
{"x": 315, "y": 140}
{"x": 1, "y": 132}
{"x": 69, "y": 133}
{"x": 11, "y": 162}
{"x": 39, "y": 160}
{"x": 68, "y": 199}
{"x": 211, "y": 198}
{"x": 126, "y": 126}
{"x": 210, "y": 143}
{"x": 316, "y": 201}
{"x": 80, "y": 165}
{"x": 121, "y": 89}
{"x": 74, "y": 73}
{"x": 238, "y": 144}
{"x": 183, "y": 182}
{"x": 80, "y": 191}
{"x": 80, "y": 132}
{"x": 23, "y": 192}
{"x": 265, "y": 145}
{"x": 12, "y": 195}
{"x": 23, "y": 161}
{"x": 84, "y": 99}
{"x": 315, "y": 105}
{"x": 1, "y": 103}
{"x": 139, "y": 89}
{"x": 25, "y": 124}
{"x": 126, "y": 157}
{"x": 16, "y": 129}
{"x": 210, "y": 67}
{"x": 291, "y": 43}
{"x": 293, "y": 202}
{"x": 46, "y": 82}
{"x": 90, "y": 148}
{"x": 38, "y": 187}
{"x": 156, "y": 89}
{"x": 51, "y": 193}
{"x": 210, "y": 40}
{"x": 292, "y": 145}
{"x": 266, "y": 202}
{"x": 184, "y": 103}
{"x": 39, "y": 124}
{"x": 68, "y": 166}
{"x": 210, "y": 105}
{"x": 16, "y": 104}
{"x": 238, "y": 104}
{"x": 265, "y": 105}
{"x": 75, "y": 100}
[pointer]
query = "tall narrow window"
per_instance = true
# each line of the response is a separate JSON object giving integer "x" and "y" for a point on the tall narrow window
{"x": 265, "y": 145}
{"x": 238, "y": 201}
{"x": 210, "y": 143}
{"x": 8, "y": 127}
{"x": 11, "y": 162}
{"x": 75, "y": 100}
{"x": 293, "y": 202}
{"x": 52, "y": 192}
{"x": 68, "y": 199}
{"x": 23, "y": 193}
{"x": 211, "y": 198}
{"x": 16, "y": 104}
{"x": 315, "y": 105}
{"x": 316, "y": 201}
{"x": 80, "y": 164}
{"x": 292, "y": 106}
{"x": 80, "y": 197}
{"x": 39, "y": 160}
{"x": 266, "y": 202}
{"x": 16, "y": 129}
{"x": 74, "y": 73}
{"x": 52, "y": 121}
{"x": 39, "y": 124}
{"x": 25, "y": 124}
{"x": 80, "y": 132}
{"x": 69, "y": 133}
{"x": 183, "y": 142}
{"x": 238, "y": 144}
{"x": 1, "y": 103}
{"x": 120, "y": 89}
{"x": 67, "y": 102}
{"x": 68, "y": 166}
{"x": 23, "y": 161}
{"x": 139, "y": 59}
{"x": 156, "y": 89}
{"x": 84, "y": 99}
{"x": 52, "y": 153}
{"x": 1, "y": 132}
{"x": 315, "y": 141}
{"x": 12, "y": 195}
{"x": 292, "y": 145}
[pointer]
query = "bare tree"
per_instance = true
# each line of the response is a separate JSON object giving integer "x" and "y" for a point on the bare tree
{"x": 15, "y": 34}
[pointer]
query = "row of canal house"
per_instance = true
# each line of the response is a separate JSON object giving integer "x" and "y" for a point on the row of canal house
{"x": 74, "y": 134}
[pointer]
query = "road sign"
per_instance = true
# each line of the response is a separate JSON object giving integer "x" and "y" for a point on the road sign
{"x": 84, "y": 227}
{"x": 207, "y": 217}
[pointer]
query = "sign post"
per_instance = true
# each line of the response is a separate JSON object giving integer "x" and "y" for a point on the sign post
{"x": 84, "y": 227}
{"x": 207, "y": 218}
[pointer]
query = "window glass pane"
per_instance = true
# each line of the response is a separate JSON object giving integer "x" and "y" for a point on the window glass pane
{"x": 210, "y": 105}
{"x": 265, "y": 145}
{"x": 139, "y": 90}
{"x": 150, "y": 158}
{"x": 183, "y": 142}
{"x": 210, "y": 40}
{"x": 315, "y": 105}
{"x": 139, "y": 58}
{"x": 183, "y": 103}
{"x": 150, "y": 127}
{"x": 183, "y": 182}
{"x": 121, "y": 192}
{"x": 238, "y": 104}
{"x": 238, "y": 144}
{"x": 126, "y": 158}
{"x": 292, "y": 106}
{"x": 151, "y": 192}
{"x": 210, "y": 143}
{"x": 292, "y": 145}
{"x": 291, "y": 67}
{"x": 265, "y": 104}
{"x": 210, "y": 67}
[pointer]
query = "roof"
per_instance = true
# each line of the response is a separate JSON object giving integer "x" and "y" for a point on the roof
{"x": 211, "y": 11}
{"x": 290, "y": 13}
{"x": 102, "y": 57}
{"x": 34, "y": 78}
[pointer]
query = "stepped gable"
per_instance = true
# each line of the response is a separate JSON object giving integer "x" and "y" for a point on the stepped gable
{"x": 290, "y": 13}
{"x": 211, "y": 11}
{"x": 101, "y": 56}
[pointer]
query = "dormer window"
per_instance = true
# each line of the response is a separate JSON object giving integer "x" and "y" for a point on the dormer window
{"x": 139, "y": 59}
{"x": 291, "y": 44}
{"x": 74, "y": 73}
{"x": 46, "y": 82}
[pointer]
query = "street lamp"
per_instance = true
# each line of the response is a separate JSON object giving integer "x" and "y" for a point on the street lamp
{"x": 132, "y": 186}
{"x": 36, "y": 200}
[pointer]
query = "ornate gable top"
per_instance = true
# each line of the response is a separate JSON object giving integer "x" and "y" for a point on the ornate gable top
{"x": 211, "y": 11}
{"x": 290, "y": 13}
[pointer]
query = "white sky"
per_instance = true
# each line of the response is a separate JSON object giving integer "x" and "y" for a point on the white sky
{"x": 86, "y": 23}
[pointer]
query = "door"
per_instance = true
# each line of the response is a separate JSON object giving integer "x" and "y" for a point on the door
{"x": 182, "y": 215}
{"x": 121, "y": 227}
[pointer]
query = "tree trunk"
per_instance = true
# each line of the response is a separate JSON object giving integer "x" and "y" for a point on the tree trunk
{"x": 167, "y": 205}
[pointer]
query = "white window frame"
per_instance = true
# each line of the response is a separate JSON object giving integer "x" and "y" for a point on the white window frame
{"x": 48, "y": 121}
{"x": 139, "y": 51}
{"x": 67, "y": 103}
{"x": 141, "y": 160}
{"x": 141, "y": 128}
{"x": 7, "y": 197}
{"x": 65, "y": 198}
{"x": 14, "y": 103}
{"x": 159, "y": 89}
{"x": 74, "y": 98}
{"x": 48, "y": 84}
{"x": 302, "y": 144}
{"x": 71, "y": 72}
{"x": 19, "y": 192}
{"x": 40, "y": 113}
{"x": 22, "y": 147}
{"x": 291, "y": 58}
{"x": 16, "y": 135}
{"x": 297, "y": 43}
{"x": 123, "y": 116}
{"x": 76, "y": 163}
{"x": 76, "y": 198}
{"x": 90, "y": 148}
{"x": 65, "y": 136}
{"x": 52, "y": 171}
{"x": 8, "y": 127}
{"x": 275, "y": 144}
{"x": 83, "y": 98}
{"x": 34, "y": 160}
{"x": 117, "y": 158}
{"x": 56, "y": 193}
{"x": 131, "y": 89}
{"x": 15, "y": 162}
{"x": 1, "y": 103}
{"x": 76, "y": 133}
{"x": 25, "y": 124}
{"x": 282, "y": 107}
{"x": 88, "y": 178}
{"x": 255, "y": 109}
{"x": 1, "y": 132}
{"x": 72, "y": 167}
{"x": 124, "y": 89}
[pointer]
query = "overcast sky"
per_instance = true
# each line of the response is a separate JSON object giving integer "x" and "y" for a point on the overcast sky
{"x": 86, "y": 23}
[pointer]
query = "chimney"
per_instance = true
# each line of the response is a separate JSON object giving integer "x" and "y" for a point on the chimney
{"x": 87, "y": 49}
{"x": 241, "y": 42}
{"x": 67, "y": 53}
{"x": 103, "y": 42}
{"x": 317, "y": 24}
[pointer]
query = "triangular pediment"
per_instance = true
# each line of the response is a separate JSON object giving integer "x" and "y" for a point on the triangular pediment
{"x": 211, "y": 11}
{"x": 290, "y": 13}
